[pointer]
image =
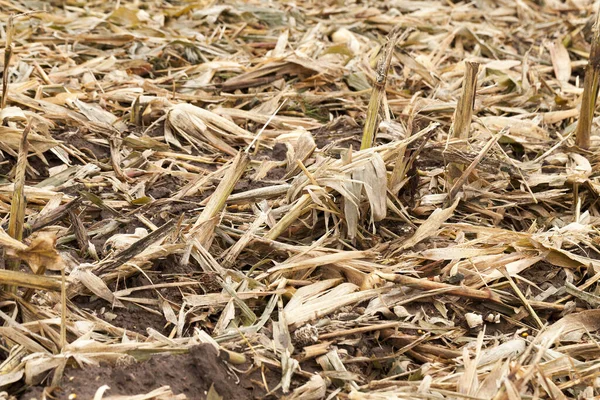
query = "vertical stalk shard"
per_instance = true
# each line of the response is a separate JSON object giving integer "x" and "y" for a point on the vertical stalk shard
{"x": 461, "y": 124}
{"x": 17, "y": 206}
{"x": 464, "y": 109}
{"x": 8, "y": 51}
{"x": 590, "y": 93}
{"x": 370, "y": 128}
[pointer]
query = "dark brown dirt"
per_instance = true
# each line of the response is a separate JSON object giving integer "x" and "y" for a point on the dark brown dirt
{"x": 132, "y": 317}
{"x": 79, "y": 142}
{"x": 273, "y": 176}
{"x": 191, "y": 374}
{"x": 165, "y": 186}
{"x": 279, "y": 152}
{"x": 342, "y": 132}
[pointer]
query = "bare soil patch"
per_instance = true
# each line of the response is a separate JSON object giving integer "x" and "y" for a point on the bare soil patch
{"x": 191, "y": 374}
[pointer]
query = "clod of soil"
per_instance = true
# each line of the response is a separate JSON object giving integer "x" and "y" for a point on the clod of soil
{"x": 191, "y": 374}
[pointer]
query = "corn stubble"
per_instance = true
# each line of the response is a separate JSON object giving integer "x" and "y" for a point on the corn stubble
{"x": 590, "y": 93}
{"x": 200, "y": 166}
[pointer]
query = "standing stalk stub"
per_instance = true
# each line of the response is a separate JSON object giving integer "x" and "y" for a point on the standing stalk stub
{"x": 461, "y": 124}
{"x": 464, "y": 109}
{"x": 370, "y": 128}
{"x": 590, "y": 93}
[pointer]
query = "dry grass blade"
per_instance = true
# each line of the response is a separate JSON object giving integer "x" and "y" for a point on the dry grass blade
{"x": 458, "y": 184}
{"x": 523, "y": 299}
{"x": 425, "y": 284}
{"x": 300, "y": 207}
{"x": 203, "y": 228}
{"x": 259, "y": 193}
{"x": 429, "y": 227}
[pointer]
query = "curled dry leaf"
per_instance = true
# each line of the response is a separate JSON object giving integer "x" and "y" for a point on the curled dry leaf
{"x": 560, "y": 61}
{"x": 201, "y": 127}
{"x": 40, "y": 254}
{"x": 573, "y": 326}
{"x": 314, "y": 389}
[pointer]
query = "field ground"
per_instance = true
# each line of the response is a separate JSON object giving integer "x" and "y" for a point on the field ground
{"x": 188, "y": 213}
